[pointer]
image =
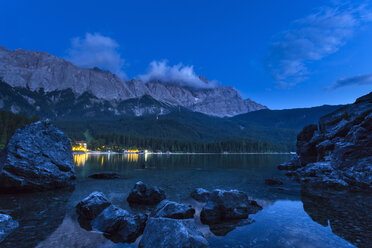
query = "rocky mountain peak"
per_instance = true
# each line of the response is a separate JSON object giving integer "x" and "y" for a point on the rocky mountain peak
{"x": 40, "y": 70}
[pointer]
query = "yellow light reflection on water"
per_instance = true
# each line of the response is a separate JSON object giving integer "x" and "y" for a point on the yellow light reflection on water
{"x": 80, "y": 159}
{"x": 131, "y": 157}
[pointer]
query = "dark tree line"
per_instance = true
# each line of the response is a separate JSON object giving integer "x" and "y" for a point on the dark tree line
{"x": 9, "y": 122}
{"x": 118, "y": 142}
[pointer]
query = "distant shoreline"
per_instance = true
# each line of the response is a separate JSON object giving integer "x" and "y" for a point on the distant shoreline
{"x": 189, "y": 153}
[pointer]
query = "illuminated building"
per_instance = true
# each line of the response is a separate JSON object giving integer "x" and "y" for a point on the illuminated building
{"x": 132, "y": 151}
{"x": 80, "y": 146}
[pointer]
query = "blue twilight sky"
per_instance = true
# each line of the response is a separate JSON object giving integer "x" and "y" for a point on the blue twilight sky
{"x": 281, "y": 53}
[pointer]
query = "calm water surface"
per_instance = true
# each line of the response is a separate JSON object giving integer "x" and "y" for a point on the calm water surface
{"x": 291, "y": 217}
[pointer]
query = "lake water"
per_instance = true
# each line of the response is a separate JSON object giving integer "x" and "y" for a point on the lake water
{"x": 291, "y": 216}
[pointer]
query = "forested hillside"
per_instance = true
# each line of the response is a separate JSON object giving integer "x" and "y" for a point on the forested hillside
{"x": 9, "y": 122}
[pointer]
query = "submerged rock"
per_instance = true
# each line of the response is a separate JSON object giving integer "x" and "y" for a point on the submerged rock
{"x": 37, "y": 157}
{"x": 7, "y": 226}
{"x": 119, "y": 225}
{"x": 227, "y": 206}
{"x": 338, "y": 152}
{"x": 200, "y": 195}
{"x": 105, "y": 175}
{"x": 91, "y": 206}
{"x": 171, "y": 233}
{"x": 145, "y": 195}
{"x": 273, "y": 182}
{"x": 174, "y": 210}
{"x": 222, "y": 229}
{"x": 291, "y": 165}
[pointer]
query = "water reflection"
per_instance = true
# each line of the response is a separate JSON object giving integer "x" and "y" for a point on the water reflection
{"x": 38, "y": 214}
{"x": 349, "y": 214}
{"x": 289, "y": 217}
{"x": 81, "y": 158}
{"x": 131, "y": 157}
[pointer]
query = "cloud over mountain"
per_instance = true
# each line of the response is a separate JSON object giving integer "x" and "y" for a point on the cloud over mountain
{"x": 312, "y": 38}
{"x": 180, "y": 74}
{"x": 96, "y": 50}
{"x": 365, "y": 79}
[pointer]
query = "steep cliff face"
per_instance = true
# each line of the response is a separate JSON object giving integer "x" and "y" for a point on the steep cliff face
{"x": 338, "y": 152}
{"x": 40, "y": 70}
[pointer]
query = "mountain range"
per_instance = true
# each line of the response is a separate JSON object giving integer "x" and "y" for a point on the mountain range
{"x": 40, "y": 71}
{"x": 81, "y": 101}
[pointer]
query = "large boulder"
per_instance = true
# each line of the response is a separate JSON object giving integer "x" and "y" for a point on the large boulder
{"x": 171, "y": 233}
{"x": 119, "y": 225}
{"x": 37, "y": 157}
{"x": 7, "y": 226}
{"x": 91, "y": 206}
{"x": 143, "y": 194}
{"x": 338, "y": 152}
{"x": 226, "y": 205}
{"x": 200, "y": 195}
{"x": 174, "y": 210}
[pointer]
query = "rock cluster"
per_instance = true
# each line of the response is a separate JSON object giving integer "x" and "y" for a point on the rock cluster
{"x": 171, "y": 233}
{"x": 170, "y": 224}
{"x": 200, "y": 195}
{"x": 143, "y": 194}
{"x": 337, "y": 153}
{"x": 226, "y": 205}
{"x": 120, "y": 224}
{"x": 37, "y": 157}
{"x": 91, "y": 206}
{"x": 7, "y": 226}
{"x": 174, "y": 210}
{"x": 116, "y": 223}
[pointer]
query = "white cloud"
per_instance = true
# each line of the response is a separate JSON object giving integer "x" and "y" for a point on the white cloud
{"x": 177, "y": 74}
{"x": 365, "y": 79}
{"x": 311, "y": 39}
{"x": 96, "y": 50}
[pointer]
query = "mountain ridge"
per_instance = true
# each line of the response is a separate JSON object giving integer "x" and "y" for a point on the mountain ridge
{"x": 40, "y": 70}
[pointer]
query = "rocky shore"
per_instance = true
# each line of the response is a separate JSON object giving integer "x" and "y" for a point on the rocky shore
{"x": 336, "y": 153}
{"x": 169, "y": 224}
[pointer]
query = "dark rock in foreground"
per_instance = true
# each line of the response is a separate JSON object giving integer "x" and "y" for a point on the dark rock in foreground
{"x": 273, "y": 182}
{"x": 174, "y": 210}
{"x": 37, "y": 157}
{"x": 171, "y": 233}
{"x": 7, "y": 226}
{"x": 119, "y": 225}
{"x": 338, "y": 152}
{"x": 145, "y": 195}
{"x": 200, "y": 195}
{"x": 104, "y": 175}
{"x": 227, "y": 206}
{"x": 91, "y": 206}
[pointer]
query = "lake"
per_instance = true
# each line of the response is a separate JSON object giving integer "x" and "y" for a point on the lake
{"x": 291, "y": 216}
